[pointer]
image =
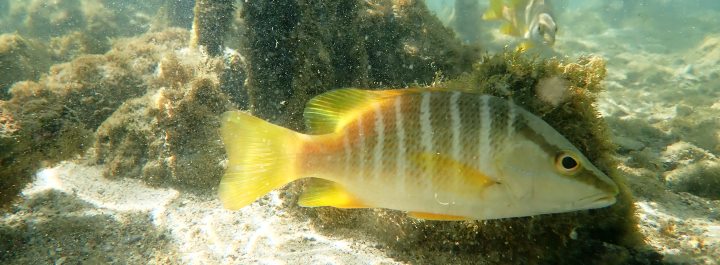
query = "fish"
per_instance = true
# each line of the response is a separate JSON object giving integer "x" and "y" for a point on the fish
{"x": 531, "y": 20}
{"x": 437, "y": 154}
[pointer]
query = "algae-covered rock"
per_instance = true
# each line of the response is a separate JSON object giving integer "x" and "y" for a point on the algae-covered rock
{"x": 76, "y": 27}
{"x": 169, "y": 136}
{"x": 599, "y": 236}
{"x": 298, "y": 49}
{"x": 55, "y": 118}
{"x": 20, "y": 59}
{"x": 211, "y": 22}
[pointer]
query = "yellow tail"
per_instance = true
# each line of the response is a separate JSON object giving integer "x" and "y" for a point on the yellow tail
{"x": 261, "y": 157}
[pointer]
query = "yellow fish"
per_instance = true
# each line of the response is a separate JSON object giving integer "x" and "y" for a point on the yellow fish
{"x": 531, "y": 20}
{"x": 437, "y": 154}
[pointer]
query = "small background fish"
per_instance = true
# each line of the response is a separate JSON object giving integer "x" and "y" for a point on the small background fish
{"x": 531, "y": 20}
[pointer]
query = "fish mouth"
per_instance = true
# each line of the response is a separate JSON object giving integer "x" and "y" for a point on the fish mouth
{"x": 597, "y": 201}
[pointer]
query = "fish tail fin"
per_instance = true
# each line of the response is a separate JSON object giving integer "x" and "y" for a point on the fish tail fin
{"x": 261, "y": 157}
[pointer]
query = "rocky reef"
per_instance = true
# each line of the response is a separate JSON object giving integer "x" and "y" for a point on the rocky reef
{"x": 299, "y": 49}
{"x": 148, "y": 109}
{"x": 211, "y": 23}
{"x": 56, "y": 117}
{"x": 27, "y": 59}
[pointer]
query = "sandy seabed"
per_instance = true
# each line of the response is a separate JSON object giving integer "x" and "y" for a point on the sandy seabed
{"x": 72, "y": 212}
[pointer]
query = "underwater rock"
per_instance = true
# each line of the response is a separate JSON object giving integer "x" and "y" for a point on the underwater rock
{"x": 20, "y": 59}
{"x": 706, "y": 56}
{"x": 701, "y": 179}
{"x": 211, "y": 23}
{"x": 695, "y": 170}
{"x": 52, "y": 18}
{"x": 76, "y": 27}
{"x": 169, "y": 135}
{"x": 567, "y": 238}
{"x": 55, "y": 118}
{"x": 299, "y": 49}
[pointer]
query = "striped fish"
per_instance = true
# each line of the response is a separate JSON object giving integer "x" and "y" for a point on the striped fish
{"x": 437, "y": 154}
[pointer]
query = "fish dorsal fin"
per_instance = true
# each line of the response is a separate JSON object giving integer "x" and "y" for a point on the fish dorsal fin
{"x": 328, "y": 193}
{"x": 332, "y": 110}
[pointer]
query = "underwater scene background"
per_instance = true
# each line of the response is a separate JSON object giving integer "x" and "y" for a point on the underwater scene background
{"x": 109, "y": 117}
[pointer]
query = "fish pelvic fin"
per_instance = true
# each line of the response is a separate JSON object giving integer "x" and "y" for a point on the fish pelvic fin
{"x": 328, "y": 193}
{"x": 261, "y": 157}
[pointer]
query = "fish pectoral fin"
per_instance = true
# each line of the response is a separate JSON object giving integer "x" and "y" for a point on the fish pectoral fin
{"x": 524, "y": 46}
{"x": 437, "y": 217}
{"x": 454, "y": 167}
{"x": 328, "y": 193}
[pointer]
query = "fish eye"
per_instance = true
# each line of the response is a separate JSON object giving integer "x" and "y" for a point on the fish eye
{"x": 567, "y": 163}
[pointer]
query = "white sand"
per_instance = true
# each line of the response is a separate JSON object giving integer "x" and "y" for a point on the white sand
{"x": 197, "y": 230}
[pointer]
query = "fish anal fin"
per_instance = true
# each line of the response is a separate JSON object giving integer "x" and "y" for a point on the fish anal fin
{"x": 327, "y": 193}
{"x": 454, "y": 167}
{"x": 437, "y": 217}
